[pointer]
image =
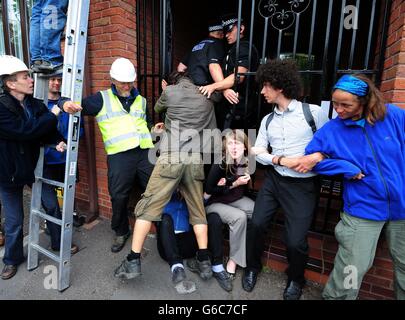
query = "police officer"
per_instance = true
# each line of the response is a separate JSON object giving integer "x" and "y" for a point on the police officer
{"x": 203, "y": 62}
{"x": 231, "y": 113}
{"x": 124, "y": 123}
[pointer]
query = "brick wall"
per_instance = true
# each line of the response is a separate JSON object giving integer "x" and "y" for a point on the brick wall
{"x": 393, "y": 80}
{"x": 111, "y": 34}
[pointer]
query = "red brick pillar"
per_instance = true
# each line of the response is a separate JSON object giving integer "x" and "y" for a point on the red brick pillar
{"x": 111, "y": 34}
{"x": 393, "y": 80}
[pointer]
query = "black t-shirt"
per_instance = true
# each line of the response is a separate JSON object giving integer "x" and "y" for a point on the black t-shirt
{"x": 210, "y": 50}
{"x": 223, "y": 194}
{"x": 229, "y": 63}
{"x": 228, "y": 67}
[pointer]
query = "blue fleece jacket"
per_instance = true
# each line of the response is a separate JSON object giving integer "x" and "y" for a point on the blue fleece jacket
{"x": 378, "y": 152}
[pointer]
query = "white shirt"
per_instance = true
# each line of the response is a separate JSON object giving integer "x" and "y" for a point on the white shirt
{"x": 288, "y": 134}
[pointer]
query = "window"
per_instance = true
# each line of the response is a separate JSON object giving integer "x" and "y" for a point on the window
{"x": 14, "y": 25}
{"x": 2, "y": 44}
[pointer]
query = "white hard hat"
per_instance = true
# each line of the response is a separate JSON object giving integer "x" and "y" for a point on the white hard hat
{"x": 10, "y": 65}
{"x": 123, "y": 70}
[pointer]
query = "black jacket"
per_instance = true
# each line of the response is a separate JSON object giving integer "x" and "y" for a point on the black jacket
{"x": 20, "y": 137}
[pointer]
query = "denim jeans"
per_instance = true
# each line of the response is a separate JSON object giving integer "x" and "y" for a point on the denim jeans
{"x": 48, "y": 20}
{"x": 12, "y": 202}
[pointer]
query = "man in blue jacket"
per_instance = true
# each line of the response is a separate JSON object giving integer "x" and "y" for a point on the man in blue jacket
{"x": 175, "y": 239}
{"x": 54, "y": 165}
{"x": 366, "y": 143}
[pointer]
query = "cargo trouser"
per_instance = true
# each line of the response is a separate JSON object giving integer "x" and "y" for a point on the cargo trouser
{"x": 358, "y": 239}
{"x": 174, "y": 170}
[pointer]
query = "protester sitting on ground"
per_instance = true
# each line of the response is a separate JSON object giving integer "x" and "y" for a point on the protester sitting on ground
{"x": 175, "y": 238}
{"x": 224, "y": 195}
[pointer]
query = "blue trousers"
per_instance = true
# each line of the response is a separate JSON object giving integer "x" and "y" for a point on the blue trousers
{"x": 12, "y": 202}
{"x": 46, "y": 26}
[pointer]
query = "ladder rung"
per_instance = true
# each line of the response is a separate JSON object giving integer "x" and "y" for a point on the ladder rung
{"x": 52, "y": 182}
{"x": 47, "y": 217}
{"x": 48, "y": 253}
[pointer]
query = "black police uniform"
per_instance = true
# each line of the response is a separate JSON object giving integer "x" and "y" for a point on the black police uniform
{"x": 233, "y": 116}
{"x": 210, "y": 50}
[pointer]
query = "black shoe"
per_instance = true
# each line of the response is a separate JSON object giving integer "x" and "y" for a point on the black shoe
{"x": 203, "y": 268}
{"x": 128, "y": 269}
{"x": 119, "y": 242}
{"x": 249, "y": 279}
{"x": 178, "y": 275}
{"x": 35, "y": 66}
{"x": 49, "y": 67}
{"x": 224, "y": 280}
{"x": 192, "y": 265}
{"x": 78, "y": 220}
{"x": 293, "y": 291}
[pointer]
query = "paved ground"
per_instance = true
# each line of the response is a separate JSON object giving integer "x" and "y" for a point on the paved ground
{"x": 92, "y": 276}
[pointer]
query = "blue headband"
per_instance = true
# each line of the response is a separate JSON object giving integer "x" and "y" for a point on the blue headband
{"x": 352, "y": 85}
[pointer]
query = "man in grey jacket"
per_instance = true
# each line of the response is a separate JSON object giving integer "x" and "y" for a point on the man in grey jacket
{"x": 180, "y": 165}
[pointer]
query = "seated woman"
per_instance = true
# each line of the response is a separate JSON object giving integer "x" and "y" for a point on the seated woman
{"x": 225, "y": 195}
{"x": 175, "y": 239}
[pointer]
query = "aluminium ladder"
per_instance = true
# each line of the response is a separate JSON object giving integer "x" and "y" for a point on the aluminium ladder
{"x": 72, "y": 85}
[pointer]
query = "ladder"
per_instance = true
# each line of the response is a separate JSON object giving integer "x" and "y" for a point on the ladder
{"x": 73, "y": 72}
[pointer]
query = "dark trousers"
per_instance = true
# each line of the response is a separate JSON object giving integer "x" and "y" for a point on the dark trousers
{"x": 297, "y": 198}
{"x": 12, "y": 201}
{"x": 50, "y": 201}
{"x": 124, "y": 169}
{"x": 215, "y": 238}
{"x": 172, "y": 247}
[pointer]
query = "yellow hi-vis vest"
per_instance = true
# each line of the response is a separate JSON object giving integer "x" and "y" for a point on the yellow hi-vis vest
{"x": 122, "y": 131}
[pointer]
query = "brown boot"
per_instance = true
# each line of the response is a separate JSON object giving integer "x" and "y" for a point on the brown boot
{"x": 9, "y": 271}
